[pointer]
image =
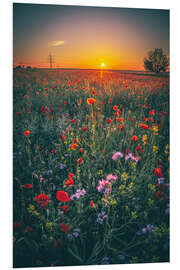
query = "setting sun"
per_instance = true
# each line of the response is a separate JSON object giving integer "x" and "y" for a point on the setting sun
{"x": 102, "y": 64}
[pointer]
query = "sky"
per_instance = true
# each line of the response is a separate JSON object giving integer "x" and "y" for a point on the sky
{"x": 87, "y": 37}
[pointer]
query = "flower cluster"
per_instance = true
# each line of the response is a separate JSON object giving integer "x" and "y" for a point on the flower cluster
{"x": 106, "y": 184}
{"x": 79, "y": 193}
{"x": 100, "y": 217}
{"x": 74, "y": 234}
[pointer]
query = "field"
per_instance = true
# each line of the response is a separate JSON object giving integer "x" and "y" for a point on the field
{"x": 90, "y": 167}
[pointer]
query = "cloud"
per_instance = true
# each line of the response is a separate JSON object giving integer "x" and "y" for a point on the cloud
{"x": 57, "y": 43}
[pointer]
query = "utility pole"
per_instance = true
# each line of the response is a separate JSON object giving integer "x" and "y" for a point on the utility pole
{"x": 50, "y": 60}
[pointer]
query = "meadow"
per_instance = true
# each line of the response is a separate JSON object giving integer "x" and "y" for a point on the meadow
{"x": 90, "y": 168}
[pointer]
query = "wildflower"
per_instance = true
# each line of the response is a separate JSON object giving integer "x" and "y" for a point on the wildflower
{"x": 110, "y": 100}
{"x": 69, "y": 237}
{"x": 155, "y": 129}
{"x": 91, "y": 101}
{"x": 144, "y": 139}
{"x": 80, "y": 149}
{"x": 160, "y": 180}
{"x": 101, "y": 216}
{"x": 158, "y": 172}
{"x": 155, "y": 148}
{"x": 144, "y": 126}
{"x": 124, "y": 176}
{"x": 62, "y": 166}
{"x": 42, "y": 199}
{"x": 27, "y": 133}
{"x": 80, "y": 160}
{"x": 92, "y": 204}
{"x": 69, "y": 182}
{"x": 120, "y": 119}
{"x": 74, "y": 146}
{"x": 152, "y": 112}
{"x": 52, "y": 151}
{"x": 139, "y": 148}
{"x": 84, "y": 129}
{"x": 117, "y": 155}
{"x": 18, "y": 113}
{"x": 65, "y": 228}
{"x": 62, "y": 196}
{"x": 109, "y": 120}
{"x": 134, "y": 138}
{"x": 63, "y": 137}
{"x": 73, "y": 121}
{"x": 27, "y": 186}
{"x": 115, "y": 107}
{"x": 111, "y": 177}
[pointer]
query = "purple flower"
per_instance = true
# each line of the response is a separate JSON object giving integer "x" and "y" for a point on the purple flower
{"x": 161, "y": 180}
{"x": 62, "y": 166}
{"x": 117, "y": 155}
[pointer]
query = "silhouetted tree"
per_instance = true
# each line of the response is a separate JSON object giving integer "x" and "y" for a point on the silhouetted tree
{"x": 156, "y": 61}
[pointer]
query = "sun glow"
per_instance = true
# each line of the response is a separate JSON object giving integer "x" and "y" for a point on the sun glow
{"x": 102, "y": 65}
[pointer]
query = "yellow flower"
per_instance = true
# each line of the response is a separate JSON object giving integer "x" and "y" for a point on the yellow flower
{"x": 155, "y": 149}
{"x": 30, "y": 208}
{"x": 124, "y": 176}
{"x": 155, "y": 129}
{"x": 144, "y": 139}
{"x": 150, "y": 202}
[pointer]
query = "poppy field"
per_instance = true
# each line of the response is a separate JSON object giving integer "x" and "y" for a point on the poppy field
{"x": 90, "y": 167}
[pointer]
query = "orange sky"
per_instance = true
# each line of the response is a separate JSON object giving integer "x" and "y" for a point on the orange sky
{"x": 84, "y": 37}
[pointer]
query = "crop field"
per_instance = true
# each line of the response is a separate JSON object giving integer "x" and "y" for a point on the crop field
{"x": 90, "y": 167}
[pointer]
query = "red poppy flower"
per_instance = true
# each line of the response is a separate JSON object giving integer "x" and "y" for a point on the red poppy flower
{"x": 38, "y": 146}
{"x": 62, "y": 196}
{"x": 42, "y": 199}
{"x": 69, "y": 182}
{"x": 27, "y": 132}
{"x": 144, "y": 126}
{"x": 84, "y": 129}
{"x": 158, "y": 172}
{"x": 74, "y": 146}
{"x": 115, "y": 107}
{"x": 81, "y": 150}
{"x": 75, "y": 141}
{"x": 110, "y": 100}
{"x": 73, "y": 121}
{"x": 80, "y": 160}
{"x": 134, "y": 138}
{"x": 53, "y": 151}
{"x": 28, "y": 186}
{"x": 109, "y": 120}
{"x": 65, "y": 228}
{"x": 18, "y": 113}
{"x": 71, "y": 174}
{"x": 63, "y": 137}
{"x": 91, "y": 101}
{"x": 152, "y": 112}
{"x": 92, "y": 203}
